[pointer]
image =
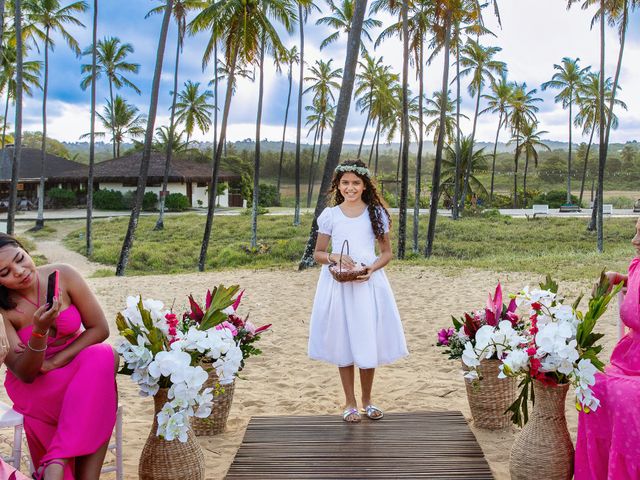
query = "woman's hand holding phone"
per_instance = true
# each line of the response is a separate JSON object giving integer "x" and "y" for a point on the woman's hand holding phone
{"x": 44, "y": 317}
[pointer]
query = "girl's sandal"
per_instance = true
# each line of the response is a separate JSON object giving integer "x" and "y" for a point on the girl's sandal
{"x": 39, "y": 475}
{"x": 351, "y": 415}
{"x": 373, "y": 412}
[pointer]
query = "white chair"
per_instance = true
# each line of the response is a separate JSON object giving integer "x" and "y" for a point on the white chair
{"x": 607, "y": 209}
{"x": 540, "y": 210}
{"x": 9, "y": 418}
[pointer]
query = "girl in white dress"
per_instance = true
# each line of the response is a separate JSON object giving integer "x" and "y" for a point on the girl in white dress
{"x": 355, "y": 323}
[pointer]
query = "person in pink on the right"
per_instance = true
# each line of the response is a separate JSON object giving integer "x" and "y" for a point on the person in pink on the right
{"x": 608, "y": 445}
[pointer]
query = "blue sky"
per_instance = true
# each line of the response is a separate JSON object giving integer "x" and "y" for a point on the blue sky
{"x": 535, "y": 34}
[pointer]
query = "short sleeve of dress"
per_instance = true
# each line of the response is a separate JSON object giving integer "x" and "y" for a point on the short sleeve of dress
{"x": 325, "y": 221}
{"x": 384, "y": 218}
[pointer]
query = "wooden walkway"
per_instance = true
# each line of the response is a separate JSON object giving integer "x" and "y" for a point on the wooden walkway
{"x": 402, "y": 445}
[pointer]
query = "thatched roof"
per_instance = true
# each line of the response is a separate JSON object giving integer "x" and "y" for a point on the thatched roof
{"x": 127, "y": 168}
{"x": 55, "y": 168}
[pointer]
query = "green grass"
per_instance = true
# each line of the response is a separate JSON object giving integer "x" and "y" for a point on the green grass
{"x": 560, "y": 246}
{"x": 45, "y": 232}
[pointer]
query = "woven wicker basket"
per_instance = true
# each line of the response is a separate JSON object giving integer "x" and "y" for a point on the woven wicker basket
{"x": 215, "y": 423}
{"x": 350, "y": 275}
{"x": 175, "y": 460}
{"x": 490, "y": 396}
{"x": 544, "y": 449}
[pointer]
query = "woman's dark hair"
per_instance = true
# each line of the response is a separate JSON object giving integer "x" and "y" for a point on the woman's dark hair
{"x": 370, "y": 196}
{"x": 5, "y": 301}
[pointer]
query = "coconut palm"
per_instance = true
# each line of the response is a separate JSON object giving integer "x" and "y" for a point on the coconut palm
{"x": 123, "y": 120}
{"x": 321, "y": 117}
{"x": 340, "y": 22}
{"x": 165, "y": 138}
{"x": 1, "y": 26}
{"x": 477, "y": 61}
{"x": 522, "y": 105}
{"x": 449, "y": 170}
{"x": 498, "y": 102}
{"x": 193, "y": 108}
{"x": 112, "y": 63}
{"x": 290, "y": 58}
{"x": 92, "y": 132}
{"x": 369, "y": 71}
{"x": 46, "y": 18}
{"x": 340, "y": 124}
{"x": 228, "y": 22}
{"x": 17, "y": 149}
{"x": 529, "y": 141}
{"x": 433, "y": 108}
{"x": 567, "y": 79}
{"x": 148, "y": 141}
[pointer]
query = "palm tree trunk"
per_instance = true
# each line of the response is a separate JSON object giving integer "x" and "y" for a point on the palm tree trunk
{"x": 416, "y": 206}
{"x": 4, "y": 123}
{"x": 364, "y": 132}
{"x": 524, "y": 181}
{"x": 313, "y": 156}
{"x": 467, "y": 172}
{"x": 375, "y": 170}
{"x": 602, "y": 160}
{"x": 17, "y": 141}
{"x": 493, "y": 165}
{"x": 586, "y": 161}
{"x": 1, "y": 26}
{"x": 373, "y": 143}
{"x": 148, "y": 140}
{"x": 315, "y": 169}
{"x": 218, "y": 156}
{"x": 256, "y": 161}
{"x": 215, "y": 96}
{"x": 406, "y": 134}
{"x": 43, "y": 145}
{"x": 569, "y": 159}
{"x": 92, "y": 134}
{"x": 340, "y": 124}
{"x": 515, "y": 170}
{"x": 284, "y": 129}
{"x": 172, "y": 128}
{"x": 435, "y": 188}
{"x": 113, "y": 118}
{"x": 296, "y": 214}
{"x": 399, "y": 157}
{"x": 455, "y": 211}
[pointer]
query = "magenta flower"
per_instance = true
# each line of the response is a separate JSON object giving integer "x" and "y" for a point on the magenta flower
{"x": 444, "y": 335}
{"x": 228, "y": 326}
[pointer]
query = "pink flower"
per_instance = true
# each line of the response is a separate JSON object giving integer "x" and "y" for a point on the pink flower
{"x": 172, "y": 319}
{"x": 237, "y": 301}
{"x": 444, "y": 335}
{"x": 250, "y": 327}
{"x": 228, "y": 326}
{"x": 263, "y": 328}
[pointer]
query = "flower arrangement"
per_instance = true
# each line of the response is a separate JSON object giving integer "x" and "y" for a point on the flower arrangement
{"x": 161, "y": 351}
{"x": 473, "y": 327}
{"x": 557, "y": 347}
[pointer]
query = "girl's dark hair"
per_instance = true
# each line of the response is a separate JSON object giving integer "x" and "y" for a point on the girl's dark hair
{"x": 370, "y": 196}
{"x": 5, "y": 300}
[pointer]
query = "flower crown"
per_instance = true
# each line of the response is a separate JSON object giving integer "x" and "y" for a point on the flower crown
{"x": 353, "y": 168}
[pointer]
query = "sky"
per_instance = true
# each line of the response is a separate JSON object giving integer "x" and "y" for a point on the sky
{"x": 535, "y": 35}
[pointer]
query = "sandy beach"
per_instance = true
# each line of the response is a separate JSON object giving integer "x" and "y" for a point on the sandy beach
{"x": 283, "y": 381}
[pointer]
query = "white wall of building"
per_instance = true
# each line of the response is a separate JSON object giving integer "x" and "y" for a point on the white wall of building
{"x": 197, "y": 193}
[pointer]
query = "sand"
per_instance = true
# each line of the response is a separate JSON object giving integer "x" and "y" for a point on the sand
{"x": 283, "y": 381}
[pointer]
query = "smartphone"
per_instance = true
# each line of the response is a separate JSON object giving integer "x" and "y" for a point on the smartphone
{"x": 52, "y": 287}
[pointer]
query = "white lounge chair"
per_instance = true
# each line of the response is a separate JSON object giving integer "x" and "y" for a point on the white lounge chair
{"x": 607, "y": 209}
{"x": 540, "y": 210}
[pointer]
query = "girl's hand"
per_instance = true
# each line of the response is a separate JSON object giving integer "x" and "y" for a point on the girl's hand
{"x": 366, "y": 276}
{"x": 43, "y": 318}
{"x": 347, "y": 261}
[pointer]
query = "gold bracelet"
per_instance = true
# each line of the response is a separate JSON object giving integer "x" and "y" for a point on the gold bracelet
{"x": 35, "y": 349}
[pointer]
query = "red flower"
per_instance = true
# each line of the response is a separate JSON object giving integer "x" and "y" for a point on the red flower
{"x": 536, "y": 306}
{"x": 196, "y": 312}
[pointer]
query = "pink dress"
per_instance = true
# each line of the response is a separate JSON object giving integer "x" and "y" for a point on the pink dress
{"x": 70, "y": 411}
{"x": 608, "y": 445}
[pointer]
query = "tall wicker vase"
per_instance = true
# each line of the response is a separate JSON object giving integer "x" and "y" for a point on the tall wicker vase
{"x": 215, "y": 423}
{"x": 175, "y": 460}
{"x": 490, "y": 396}
{"x": 544, "y": 449}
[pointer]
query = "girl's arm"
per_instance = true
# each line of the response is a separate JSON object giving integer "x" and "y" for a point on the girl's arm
{"x": 320, "y": 254}
{"x": 93, "y": 318}
{"x": 385, "y": 256}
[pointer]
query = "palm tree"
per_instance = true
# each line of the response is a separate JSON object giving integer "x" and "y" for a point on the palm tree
{"x": 17, "y": 149}
{"x": 498, "y": 102}
{"x": 47, "y": 17}
{"x": 92, "y": 143}
{"x": 449, "y": 170}
{"x": 1, "y": 26}
{"x": 193, "y": 108}
{"x": 478, "y": 61}
{"x": 341, "y": 19}
{"x": 321, "y": 117}
{"x": 229, "y": 24}
{"x": 567, "y": 79}
{"x": 588, "y": 101}
{"x": 340, "y": 124}
{"x": 165, "y": 138}
{"x": 406, "y": 133}
{"x": 433, "y": 108}
{"x": 366, "y": 79}
{"x": 111, "y": 62}
{"x": 148, "y": 141}
{"x": 290, "y": 57}
{"x": 523, "y": 109}
{"x": 180, "y": 10}
{"x": 123, "y": 120}
{"x": 529, "y": 141}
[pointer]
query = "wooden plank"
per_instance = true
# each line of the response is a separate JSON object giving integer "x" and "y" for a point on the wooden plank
{"x": 402, "y": 445}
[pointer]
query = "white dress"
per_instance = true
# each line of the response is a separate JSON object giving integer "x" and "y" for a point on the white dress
{"x": 354, "y": 323}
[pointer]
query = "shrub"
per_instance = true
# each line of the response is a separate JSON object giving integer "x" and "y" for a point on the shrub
{"x": 108, "y": 200}
{"x": 268, "y": 196}
{"x": 501, "y": 201}
{"x": 619, "y": 202}
{"x": 149, "y": 201}
{"x": 176, "y": 202}
{"x": 61, "y": 197}
{"x": 554, "y": 198}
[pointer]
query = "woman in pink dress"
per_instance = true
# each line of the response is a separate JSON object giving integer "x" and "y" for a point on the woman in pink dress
{"x": 60, "y": 376}
{"x": 608, "y": 445}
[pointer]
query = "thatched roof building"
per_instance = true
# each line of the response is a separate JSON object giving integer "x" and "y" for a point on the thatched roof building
{"x": 56, "y": 169}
